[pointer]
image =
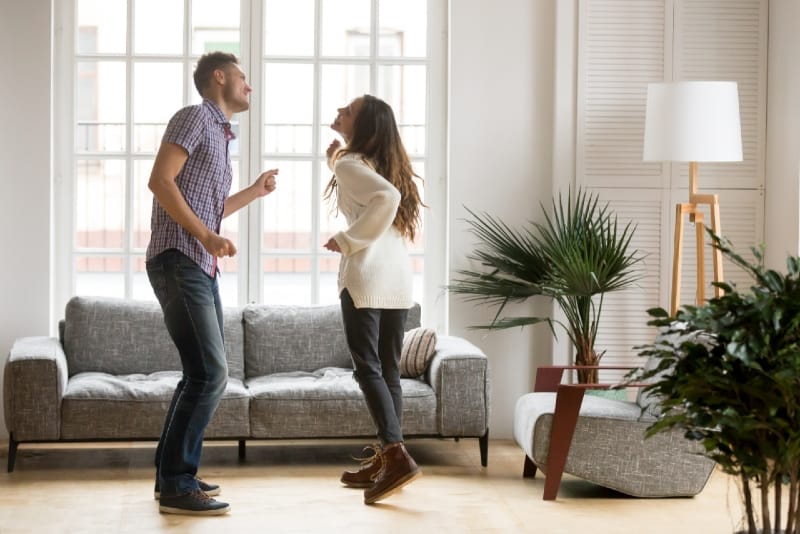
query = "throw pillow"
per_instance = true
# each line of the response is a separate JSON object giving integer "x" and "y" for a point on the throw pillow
{"x": 419, "y": 346}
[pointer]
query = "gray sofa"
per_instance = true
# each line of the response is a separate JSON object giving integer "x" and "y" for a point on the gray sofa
{"x": 111, "y": 373}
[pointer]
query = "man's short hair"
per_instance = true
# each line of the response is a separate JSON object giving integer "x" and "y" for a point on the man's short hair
{"x": 206, "y": 66}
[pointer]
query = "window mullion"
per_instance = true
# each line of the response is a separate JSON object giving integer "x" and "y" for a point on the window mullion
{"x": 316, "y": 168}
{"x": 250, "y": 153}
{"x": 374, "y": 47}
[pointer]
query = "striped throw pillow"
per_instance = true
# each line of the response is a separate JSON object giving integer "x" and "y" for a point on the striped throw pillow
{"x": 419, "y": 346}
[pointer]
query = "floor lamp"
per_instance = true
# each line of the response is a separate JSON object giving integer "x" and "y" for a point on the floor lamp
{"x": 693, "y": 122}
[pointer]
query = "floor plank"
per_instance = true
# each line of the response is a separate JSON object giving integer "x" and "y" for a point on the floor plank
{"x": 294, "y": 487}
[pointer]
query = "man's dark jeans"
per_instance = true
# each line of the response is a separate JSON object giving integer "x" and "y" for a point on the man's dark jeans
{"x": 375, "y": 339}
{"x": 193, "y": 316}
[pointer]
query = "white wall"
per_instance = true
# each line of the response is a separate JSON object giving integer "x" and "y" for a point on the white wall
{"x": 501, "y": 157}
{"x": 500, "y": 162}
{"x": 25, "y": 174}
{"x": 782, "y": 225}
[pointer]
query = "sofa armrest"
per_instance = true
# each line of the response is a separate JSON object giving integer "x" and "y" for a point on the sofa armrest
{"x": 459, "y": 374}
{"x": 34, "y": 382}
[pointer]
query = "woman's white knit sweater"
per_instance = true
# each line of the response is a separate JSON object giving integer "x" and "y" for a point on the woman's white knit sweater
{"x": 375, "y": 267}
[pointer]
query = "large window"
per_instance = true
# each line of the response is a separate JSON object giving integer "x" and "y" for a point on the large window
{"x": 127, "y": 67}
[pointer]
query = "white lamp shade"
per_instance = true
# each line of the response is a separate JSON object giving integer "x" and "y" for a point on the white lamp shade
{"x": 692, "y": 121}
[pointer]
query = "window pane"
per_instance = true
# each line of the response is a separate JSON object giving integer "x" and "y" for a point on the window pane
{"x": 229, "y": 281}
{"x": 419, "y": 240}
{"x": 215, "y": 26}
{"x": 101, "y": 26}
{"x": 158, "y": 26}
{"x": 141, "y": 284}
{"x": 340, "y": 84}
{"x": 331, "y": 219}
{"x": 289, "y": 27}
{"x": 288, "y": 108}
{"x": 346, "y": 27}
{"x": 330, "y": 222}
{"x": 102, "y": 276}
{"x": 100, "y": 203}
{"x": 287, "y": 211}
{"x": 329, "y": 280}
{"x": 403, "y": 28}
{"x": 233, "y": 144}
{"x": 142, "y": 203}
{"x": 404, "y": 88}
{"x": 417, "y": 280}
{"x": 100, "y": 106}
{"x": 157, "y": 95}
{"x": 287, "y": 280}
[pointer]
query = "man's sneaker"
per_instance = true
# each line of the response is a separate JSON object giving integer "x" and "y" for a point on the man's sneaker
{"x": 193, "y": 503}
{"x": 212, "y": 490}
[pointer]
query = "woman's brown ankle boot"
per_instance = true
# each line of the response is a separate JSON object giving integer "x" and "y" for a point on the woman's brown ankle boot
{"x": 365, "y": 476}
{"x": 399, "y": 469}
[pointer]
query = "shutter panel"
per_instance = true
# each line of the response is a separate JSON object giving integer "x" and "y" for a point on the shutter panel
{"x": 726, "y": 40}
{"x": 621, "y": 50}
{"x": 622, "y": 46}
{"x": 623, "y": 324}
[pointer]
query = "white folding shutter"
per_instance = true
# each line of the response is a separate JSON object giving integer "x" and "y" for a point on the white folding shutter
{"x": 621, "y": 49}
{"x": 623, "y": 323}
{"x": 624, "y": 45}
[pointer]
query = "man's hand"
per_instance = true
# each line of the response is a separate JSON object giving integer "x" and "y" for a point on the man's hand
{"x": 219, "y": 246}
{"x": 265, "y": 183}
{"x": 332, "y": 245}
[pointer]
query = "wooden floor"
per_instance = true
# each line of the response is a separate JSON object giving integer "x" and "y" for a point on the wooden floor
{"x": 294, "y": 487}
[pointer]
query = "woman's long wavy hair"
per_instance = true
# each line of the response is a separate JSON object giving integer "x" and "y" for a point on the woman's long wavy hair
{"x": 376, "y": 140}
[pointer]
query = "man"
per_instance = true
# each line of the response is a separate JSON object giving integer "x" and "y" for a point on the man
{"x": 190, "y": 181}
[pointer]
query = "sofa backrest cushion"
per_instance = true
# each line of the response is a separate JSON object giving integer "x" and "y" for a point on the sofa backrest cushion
{"x": 120, "y": 336}
{"x": 280, "y": 339}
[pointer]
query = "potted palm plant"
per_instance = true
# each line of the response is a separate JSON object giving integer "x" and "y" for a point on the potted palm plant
{"x": 728, "y": 373}
{"x": 577, "y": 255}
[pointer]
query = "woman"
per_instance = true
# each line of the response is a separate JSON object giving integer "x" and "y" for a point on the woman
{"x": 373, "y": 186}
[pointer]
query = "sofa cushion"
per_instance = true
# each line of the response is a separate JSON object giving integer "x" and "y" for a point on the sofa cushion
{"x": 105, "y": 406}
{"x": 119, "y": 336}
{"x": 279, "y": 339}
{"x": 329, "y": 403}
{"x": 419, "y": 347}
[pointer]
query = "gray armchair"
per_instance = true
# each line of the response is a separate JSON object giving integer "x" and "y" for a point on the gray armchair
{"x": 602, "y": 440}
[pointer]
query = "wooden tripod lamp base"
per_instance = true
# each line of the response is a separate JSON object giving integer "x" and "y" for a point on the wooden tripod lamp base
{"x": 692, "y": 209}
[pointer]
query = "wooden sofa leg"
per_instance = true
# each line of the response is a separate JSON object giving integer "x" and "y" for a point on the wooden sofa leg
{"x": 483, "y": 443}
{"x": 12, "y": 452}
{"x": 529, "y": 469}
{"x": 241, "y": 449}
{"x": 565, "y": 417}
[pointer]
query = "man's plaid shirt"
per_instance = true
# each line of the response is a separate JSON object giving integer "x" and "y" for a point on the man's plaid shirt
{"x": 205, "y": 180}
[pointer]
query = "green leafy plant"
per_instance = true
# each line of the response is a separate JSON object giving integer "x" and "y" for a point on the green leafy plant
{"x": 728, "y": 373}
{"x": 577, "y": 255}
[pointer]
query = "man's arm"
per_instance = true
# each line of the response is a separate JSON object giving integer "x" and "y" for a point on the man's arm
{"x": 169, "y": 161}
{"x": 264, "y": 185}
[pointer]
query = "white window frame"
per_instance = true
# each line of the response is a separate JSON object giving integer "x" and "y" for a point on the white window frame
{"x": 250, "y": 154}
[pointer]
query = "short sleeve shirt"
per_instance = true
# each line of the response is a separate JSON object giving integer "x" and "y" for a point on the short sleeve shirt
{"x": 205, "y": 181}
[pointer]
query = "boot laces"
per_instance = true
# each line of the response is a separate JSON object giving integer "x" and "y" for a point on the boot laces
{"x": 377, "y": 452}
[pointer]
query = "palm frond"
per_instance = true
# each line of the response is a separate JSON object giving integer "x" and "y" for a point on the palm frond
{"x": 576, "y": 255}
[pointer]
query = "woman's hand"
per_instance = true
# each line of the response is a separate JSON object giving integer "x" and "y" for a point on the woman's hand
{"x": 332, "y": 148}
{"x": 332, "y": 245}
